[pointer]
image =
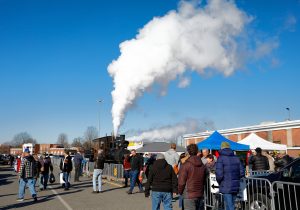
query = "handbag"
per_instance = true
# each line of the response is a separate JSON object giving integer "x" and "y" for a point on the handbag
{"x": 52, "y": 178}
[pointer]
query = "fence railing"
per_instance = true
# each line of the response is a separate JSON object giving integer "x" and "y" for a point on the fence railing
{"x": 286, "y": 195}
{"x": 257, "y": 193}
{"x": 111, "y": 171}
{"x": 259, "y": 173}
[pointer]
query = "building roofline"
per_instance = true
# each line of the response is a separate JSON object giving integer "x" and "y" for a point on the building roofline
{"x": 254, "y": 128}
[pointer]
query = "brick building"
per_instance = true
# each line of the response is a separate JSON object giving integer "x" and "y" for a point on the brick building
{"x": 4, "y": 149}
{"x": 15, "y": 151}
{"x": 287, "y": 132}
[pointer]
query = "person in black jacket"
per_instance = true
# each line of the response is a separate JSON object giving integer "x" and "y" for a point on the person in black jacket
{"x": 258, "y": 161}
{"x": 163, "y": 182}
{"x": 46, "y": 167}
{"x": 98, "y": 171}
{"x": 66, "y": 167}
{"x": 136, "y": 162}
{"x": 282, "y": 160}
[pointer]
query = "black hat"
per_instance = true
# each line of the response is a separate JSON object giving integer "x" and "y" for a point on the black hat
{"x": 258, "y": 150}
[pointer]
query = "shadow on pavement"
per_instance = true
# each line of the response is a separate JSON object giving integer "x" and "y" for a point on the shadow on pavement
{"x": 41, "y": 199}
{"x": 7, "y": 195}
{"x": 112, "y": 189}
{"x": 4, "y": 179}
{"x": 28, "y": 203}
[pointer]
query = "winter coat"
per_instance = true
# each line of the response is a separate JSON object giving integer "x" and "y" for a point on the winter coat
{"x": 282, "y": 162}
{"x": 126, "y": 164}
{"x": 28, "y": 168}
{"x": 136, "y": 162}
{"x": 47, "y": 165}
{"x": 66, "y": 164}
{"x": 99, "y": 163}
{"x": 191, "y": 178}
{"x": 78, "y": 159}
{"x": 161, "y": 178}
{"x": 229, "y": 171}
{"x": 171, "y": 157}
{"x": 259, "y": 163}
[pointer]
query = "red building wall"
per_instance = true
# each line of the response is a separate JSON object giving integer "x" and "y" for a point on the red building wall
{"x": 280, "y": 136}
{"x": 234, "y": 137}
{"x": 263, "y": 134}
{"x": 296, "y": 137}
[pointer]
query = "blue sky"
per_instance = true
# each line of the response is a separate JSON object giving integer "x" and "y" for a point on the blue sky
{"x": 54, "y": 57}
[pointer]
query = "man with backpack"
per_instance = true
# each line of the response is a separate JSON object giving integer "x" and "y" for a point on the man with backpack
{"x": 27, "y": 174}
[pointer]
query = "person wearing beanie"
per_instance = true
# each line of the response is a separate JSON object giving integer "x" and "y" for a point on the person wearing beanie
{"x": 163, "y": 182}
{"x": 259, "y": 162}
{"x": 229, "y": 171}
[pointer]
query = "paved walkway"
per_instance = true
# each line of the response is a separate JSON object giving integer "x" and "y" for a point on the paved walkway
{"x": 78, "y": 197}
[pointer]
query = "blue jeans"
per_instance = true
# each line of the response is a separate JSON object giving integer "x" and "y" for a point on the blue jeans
{"x": 44, "y": 181}
{"x": 133, "y": 179}
{"x": 161, "y": 197}
{"x": 66, "y": 179}
{"x": 229, "y": 201}
{"x": 22, "y": 186}
{"x": 97, "y": 174}
{"x": 126, "y": 176}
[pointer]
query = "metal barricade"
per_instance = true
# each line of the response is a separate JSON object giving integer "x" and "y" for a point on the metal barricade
{"x": 259, "y": 194}
{"x": 212, "y": 200}
{"x": 258, "y": 173}
{"x": 286, "y": 195}
{"x": 56, "y": 161}
{"x": 255, "y": 193}
{"x": 113, "y": 171}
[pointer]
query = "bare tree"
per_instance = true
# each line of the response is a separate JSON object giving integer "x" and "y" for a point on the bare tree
{"x": 77, "y": 142}
{"x": 90, "y": 134}
{"x": 20, "y": 139}
{"x": 63, "y": 140}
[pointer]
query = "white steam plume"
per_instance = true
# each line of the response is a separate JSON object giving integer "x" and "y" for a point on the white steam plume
{"x": 191, "y": 38}
{"x": 170, "y": 132}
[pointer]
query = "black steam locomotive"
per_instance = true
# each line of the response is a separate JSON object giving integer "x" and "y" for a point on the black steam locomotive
{"x": 114, "y": 147}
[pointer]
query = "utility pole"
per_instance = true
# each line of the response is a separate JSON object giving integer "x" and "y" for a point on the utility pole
{"x": 99, "y": 101}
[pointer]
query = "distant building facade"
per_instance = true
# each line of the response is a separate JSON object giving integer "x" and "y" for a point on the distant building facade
{"x": 287, "y": 132}
{"x": 15, "y": 151}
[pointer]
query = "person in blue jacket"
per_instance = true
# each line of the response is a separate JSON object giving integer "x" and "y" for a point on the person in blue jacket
{"x": 229, "y": 171}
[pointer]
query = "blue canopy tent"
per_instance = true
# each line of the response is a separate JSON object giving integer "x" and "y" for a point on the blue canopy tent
{"x": 213, "y": 142}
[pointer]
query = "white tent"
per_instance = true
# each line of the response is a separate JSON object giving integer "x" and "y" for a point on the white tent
{"x": 255, "y": 141}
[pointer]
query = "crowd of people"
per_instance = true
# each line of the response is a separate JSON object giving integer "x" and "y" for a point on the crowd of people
{"x": 168, "y": 175}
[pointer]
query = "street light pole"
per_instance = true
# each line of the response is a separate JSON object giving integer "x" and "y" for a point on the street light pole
{"x": 99, "y": 101}
{"x": 289, "y": 113}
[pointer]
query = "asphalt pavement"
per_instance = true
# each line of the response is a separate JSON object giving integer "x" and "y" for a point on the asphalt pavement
{"x": 80, "y": 196}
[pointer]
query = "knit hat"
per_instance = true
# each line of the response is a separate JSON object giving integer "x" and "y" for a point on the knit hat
{"x": 160, "y": 156}
{"x": 225, "y": 145}
{"x": 27, "y": 150}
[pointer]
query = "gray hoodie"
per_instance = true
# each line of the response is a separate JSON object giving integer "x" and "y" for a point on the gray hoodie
{"x": 171, "y": 157}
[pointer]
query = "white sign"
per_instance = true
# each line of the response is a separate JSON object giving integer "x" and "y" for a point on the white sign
{"x": 214, "y": 186}
{"x": 242, "y": 195}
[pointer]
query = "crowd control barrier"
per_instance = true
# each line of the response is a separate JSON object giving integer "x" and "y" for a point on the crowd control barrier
{"x": 255, "y": 194}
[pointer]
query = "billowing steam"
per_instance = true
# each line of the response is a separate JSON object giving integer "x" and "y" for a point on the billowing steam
{"x": 192, "y": 38}
{"x": 170, "y": 133}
